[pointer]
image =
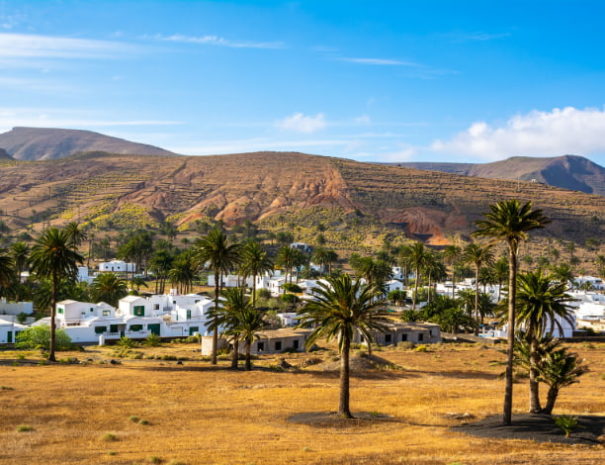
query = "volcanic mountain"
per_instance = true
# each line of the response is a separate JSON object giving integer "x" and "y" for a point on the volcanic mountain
{"x": 567, "y": 171}
{"x": 48, "y": 144}
{"x": 114, "y": 190}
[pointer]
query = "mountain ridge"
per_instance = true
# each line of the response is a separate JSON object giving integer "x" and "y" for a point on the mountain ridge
{"x": 29, "y": 144}
{"x": 572, "y": 172}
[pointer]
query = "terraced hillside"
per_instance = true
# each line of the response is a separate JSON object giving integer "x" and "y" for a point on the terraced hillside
{"x": 138, "y": 190}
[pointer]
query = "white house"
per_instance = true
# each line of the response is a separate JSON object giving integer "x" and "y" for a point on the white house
{"x": 596, "y": 283}
{"x": 9, "y": 330}
{"x": 394, "y": 285}
{"x": 84, "y": 276}
{"x": 289, "y": 318}
{"x": 306, "y": 248}
{"x": 118, "y": 266}
{"x": 15, "y": 308}
{"x": 231, "y": 280}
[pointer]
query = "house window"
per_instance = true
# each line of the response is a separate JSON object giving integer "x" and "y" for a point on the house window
{"x": 136, "y": 328}
{"x": 100, "y": 329}
{"x": 106, "y": 312}
{"x": 260, "y": 347}
{"x": 430, "y": 333}
{"x": 404, "y": 337}
{"x": 113, "y": 328}
{"x": 278, "y": 345}
{"x": 387, "y": 338}
{"x": 193, "y": 330}
{"x": 139, "y": 310}
{"x": 295, "y": 344}
{"x": 156, "y": 306}
{"x": 189, "y": 314}
{"x": 60, "y": 310}
{"x": 421, "y": 337}
{"x": 92, "y": 310}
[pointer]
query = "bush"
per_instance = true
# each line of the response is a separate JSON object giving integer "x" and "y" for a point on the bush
{"x": 289, "y": 298}
{"x": 263, "y": 294}
{"x": 291, "y": 287}
{"x": 126, "y": 342}
{"x": 24, "y": 429}
{"x": 38, "y": 337}
{"x": 109, "y": 437}
{"x": 567, "y": 423}
{"x": 153, "y": 340}
{"x": 421, "y": 348}
{"x": 21, "y": 317}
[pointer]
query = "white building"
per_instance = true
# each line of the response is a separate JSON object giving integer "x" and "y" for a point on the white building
{"x": 167, "y": 316}
{"x": 15, "y": 308}
{"x": 118, "y": 266}
{"x": 9, "y": 330}
{"x": 306, "y": 248}
{"x": 231, "y": 280}
{"x": 596, "y": 283}
{"x": 84, "y": 276}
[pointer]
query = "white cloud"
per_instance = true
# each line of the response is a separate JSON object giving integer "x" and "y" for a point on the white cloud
{"x": 298, "y": 122}
{"x": 363, "y": 120}
{"x": 379, "y": 62}
{"x": 217, "y": 40}
{"x": 539, "y": 133}
{"x": 30, "y": 46}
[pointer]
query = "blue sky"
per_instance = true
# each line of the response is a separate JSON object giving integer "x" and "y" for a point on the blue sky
{"x": 371, "y": 80}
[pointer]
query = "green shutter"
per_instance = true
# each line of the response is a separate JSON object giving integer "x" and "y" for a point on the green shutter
{"x": 139, "y": 310}
{"x": 154, "y": 328}
{"x": 9, "y": 337}
{"x": 100, "y": 329}
{"x": 193, "y": 330}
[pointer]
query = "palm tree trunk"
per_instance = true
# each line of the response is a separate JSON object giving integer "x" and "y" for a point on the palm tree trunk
{"x": 215, "y": 322}
{"x": 551, "y": 398}
{"x": 248, "y": 358}
{"x": 477, "y": 299}
{"x": 235, "y": 355}
{"x": 429, "y": 290}
{"x": 343, "y": 407}
{"x": 415, "y": 288}
{"x": 534, "y": 386}
{"x": 512, "y": 296}
{"x": 254, "y": 291}
{"x": 453, "y": 284}
{"x": 499, "y": 288}
{"x": 53, "y": 323}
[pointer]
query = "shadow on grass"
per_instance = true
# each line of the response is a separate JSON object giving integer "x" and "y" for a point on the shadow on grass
{"x": 539, "y": 428}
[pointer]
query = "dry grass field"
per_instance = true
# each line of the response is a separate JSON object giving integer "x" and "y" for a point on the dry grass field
{"x": 196, "y": 414}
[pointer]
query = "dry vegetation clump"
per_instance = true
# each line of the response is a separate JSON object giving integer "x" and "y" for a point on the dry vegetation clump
{"x": 199, "y": 414}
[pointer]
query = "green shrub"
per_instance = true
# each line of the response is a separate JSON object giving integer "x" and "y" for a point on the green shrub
{"x": 291, "y": 287}
{"x": 126, "y": 342}
{"x": 155, "y": 460}
{"x": 421, "y": 348}
{"x": 567, "y": 423}
{"x": 153, "y": 340}
{"x": 38, "y": 337}
{"x": 134, "y": 418}
{"x": 289, "y": 298}
{"x": 109, "y": 437}
{"x": 263, "y": 294}
{"x": 24, "y": 429}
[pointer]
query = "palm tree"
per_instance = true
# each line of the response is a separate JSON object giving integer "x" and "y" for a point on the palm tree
{"x": 417, "y": 258}
{"x": 451, "y": 255}
{"x": 255, "y": 262}
{"x": 435, "y": 271}
{"x": 53, "y": 257}
{"x": 136, "y": 283}
{"x": 183, "y": 273}
{"x": 230, "y": 317}
{"x": 20, "y": 254}
{"x": 600, "y": 263}
{"x": 76, "y": 234}
{"x": 7, "y": 272}
{"x": 541, "y": 302}
{"x": 510, "y": 222}
{"x": 215, "y": 252}
{"x": 500, "y": 269}
{"x": 161, "y": 264}
{"x": 109, "y": 288}
{"x": 250, "y": 323}
{"x": 479, "y": 256}
{"x": 344, "y": 306}
{"x": 562, "y": 273}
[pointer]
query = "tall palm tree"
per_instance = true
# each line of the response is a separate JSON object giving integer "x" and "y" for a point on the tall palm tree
{"x": 53, "y": 257}
{"x": 161, "y": 264}
{"x": 417, "y": 258}
{"x": 183, "y": 273}
{"x": 255, "y": 262}
{"x": 600, "y": 263}
{"x": 509, "y": 221}
{"x": 500, "y": 269}
{"x": 478, "y": 256}
{"x": 7, "y": 272}
{"x": 541, "y": 302}
{"x": 20, "y": 254}
{"x": 218, "y": 254}
{"x": 109, "y": 288}
{"x": 343, "y": 307}
{"x": 76, "y": 234}
{"x": 451, "y": 255}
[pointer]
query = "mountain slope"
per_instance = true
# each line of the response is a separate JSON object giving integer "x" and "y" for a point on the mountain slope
{"x": 568, "y": 171}
{"x": 49, "y": 144}
{"x": 123, "y": 190}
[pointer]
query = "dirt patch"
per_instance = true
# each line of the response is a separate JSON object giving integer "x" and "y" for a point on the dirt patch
{"x": 333, "y": 420}
{"x": 361, "y": 362}
{"x": 539, "y": 428}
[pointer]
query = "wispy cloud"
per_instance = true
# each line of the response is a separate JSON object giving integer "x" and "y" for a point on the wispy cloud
{"x": 379, "y": 62}
{"x": 298, "y": 122}
{"x": 477, "y": 36}
{"x": 539, "y": 133}
{"x": 39, "y": 46}
{"x": 218, "y": 41}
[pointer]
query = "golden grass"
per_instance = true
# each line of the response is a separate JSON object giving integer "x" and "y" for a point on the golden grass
{"x": 202, "y": 415}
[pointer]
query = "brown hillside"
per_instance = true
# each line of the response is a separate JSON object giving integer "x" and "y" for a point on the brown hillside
{"x": 253, "y": 186}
